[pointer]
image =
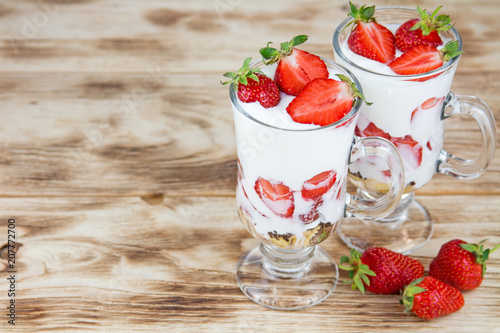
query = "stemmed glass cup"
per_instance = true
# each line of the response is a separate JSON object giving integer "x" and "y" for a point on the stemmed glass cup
{"x": 409, "y": 111}
{"x": 291, "y": 194}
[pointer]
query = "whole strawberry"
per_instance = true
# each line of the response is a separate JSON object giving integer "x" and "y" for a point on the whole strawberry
{"x": 296, "y": 67}
{"x": 381, "y": 270}
{"x": 368, "y": 38}
{"x": 430, "y": 298}
{"x": 254, "y": 86}
{"x": 422, "y": 31}
{"x": 460, "y": 264}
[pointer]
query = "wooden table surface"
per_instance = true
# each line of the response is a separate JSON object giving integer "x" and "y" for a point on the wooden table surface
{"x": 118, "y": 165}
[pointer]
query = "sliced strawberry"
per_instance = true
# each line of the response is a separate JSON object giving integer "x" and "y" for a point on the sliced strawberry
{"x": 298, "y": 69}
{"x": 254, "y": 86}
{"x": 277, "y": 196}
{"x": 423, "y": 58}
{"x": 373, "y": 130}
{"x": 370, "y": 39}
{"x": 313, "y": 214}
{"x": 410, "y": 150}
{"x": 428, "y": 104}
{"x": 424, "y": 30}
{"x": 322, "y": 102}
{"x": 318, "y": 185}
{"x": 295, "y": 68}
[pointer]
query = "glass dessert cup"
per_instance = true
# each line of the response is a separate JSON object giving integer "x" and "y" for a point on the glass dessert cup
{"x": 307, "y": 170}
{"x": 410, "y": 111}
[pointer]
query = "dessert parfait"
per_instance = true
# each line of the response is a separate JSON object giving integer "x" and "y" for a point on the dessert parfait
{"x": 405, "y": 60}
{"x": 291, "y": 177}
{"x": 406, "y": 66}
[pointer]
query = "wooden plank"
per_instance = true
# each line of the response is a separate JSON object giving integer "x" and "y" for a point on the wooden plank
{"x": 102, "y": 36}
{"x": 126, "y": 264}
{"x": 115, "y": 134}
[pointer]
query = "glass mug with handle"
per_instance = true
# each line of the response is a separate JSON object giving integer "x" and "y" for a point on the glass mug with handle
{"x": 291, "y": 194}
{"x": 408, "y": 110}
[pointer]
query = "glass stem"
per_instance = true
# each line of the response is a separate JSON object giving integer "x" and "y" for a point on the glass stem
{"x": 286, "y": 262}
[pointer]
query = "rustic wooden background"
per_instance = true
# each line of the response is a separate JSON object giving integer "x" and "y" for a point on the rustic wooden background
{"x": 117, "y": 161}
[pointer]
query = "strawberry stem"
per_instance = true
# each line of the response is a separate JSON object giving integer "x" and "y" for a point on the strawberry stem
{"x": 428, "y": 23}
{"x": 479, "y": 252}
{"x": 357, "y": 271}
{"x": 354, "y": 90}
{"x": 450, "y": 51}
{"x": 361, "y": 14}
{"x": 409, "y": 292}
{"x": 243, "y": 74}
{"x": 270, "y": 55}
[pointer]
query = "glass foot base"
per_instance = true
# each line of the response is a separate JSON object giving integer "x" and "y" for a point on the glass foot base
{"x": 284, "y": 289}
{"x": 410, "y": 231}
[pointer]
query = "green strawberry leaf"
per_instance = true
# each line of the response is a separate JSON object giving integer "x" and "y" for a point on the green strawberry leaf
{"x": 242, "y": 75}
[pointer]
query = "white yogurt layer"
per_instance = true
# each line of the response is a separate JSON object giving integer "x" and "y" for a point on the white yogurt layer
{"x": 291, "y": 154}
{"x": 394, "y": 101}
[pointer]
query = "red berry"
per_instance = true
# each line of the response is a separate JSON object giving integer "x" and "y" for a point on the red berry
{"x": 313, "y": 213}
{"x": 430, "y": 298}
{"x": 321, "y": 102}
{"x": 318, "y": 185}
{"x": 427, "y": 105}
{"x": 254, "y": 86}
{"x": 423, "y": 59}
{"x": 370, "y": 39}
{"x": 422, "y": 31}
{"x": 460, "y": 264}
{"x": 295, "y": 67}
{"x": 275, "y": 195}
{"x": 411, "y": 150}
{"x": 381, "y": 270}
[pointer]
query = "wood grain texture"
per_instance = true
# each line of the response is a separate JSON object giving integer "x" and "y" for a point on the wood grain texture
{"x": 118, "y": 162}
{"x": 123, "y": 264}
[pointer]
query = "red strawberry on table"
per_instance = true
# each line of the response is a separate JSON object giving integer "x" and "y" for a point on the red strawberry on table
{"x": 277, "y": 196}
{"x": 368, "y": 38}
{"x": 422, "y": 31}
{"x": 254, "y": 86}
{"x": 424, "y": 58}
{"x": 430, "y": 298}
{"x": 460, "y": 264}
{"x": 381, "y": 270}
{"x": 295, "y": 67}
{"x": 318, "y": 185}
{"x": 324, "y": 101}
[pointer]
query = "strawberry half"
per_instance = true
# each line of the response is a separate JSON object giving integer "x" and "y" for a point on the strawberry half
{"x": 424, "y": 30}
{"x": 381, "y": 270}
{"x": 324, "y": 101}
{"x": 461, "y": 264}
{"x": 428, "y": 104}
{"x": 424, "y": 58}
{"x": 295, "y": 68}
{"x": 277, "y": 196}
{"x": 368, "y": 38}
{"x": 411, "y": 150}
{"x": 318, "y": 185}
{"x": 430, "y": 298}
{"x": 254, "y": 86}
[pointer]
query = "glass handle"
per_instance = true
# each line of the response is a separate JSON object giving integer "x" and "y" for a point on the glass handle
{"x": 480, "y": 111}
{"x": 383, "y": 206}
